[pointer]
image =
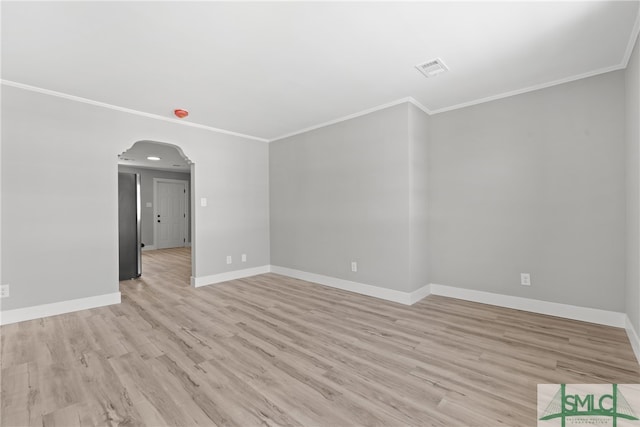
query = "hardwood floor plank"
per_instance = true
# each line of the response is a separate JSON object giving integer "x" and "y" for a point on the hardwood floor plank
{"x": 275, "y": 351}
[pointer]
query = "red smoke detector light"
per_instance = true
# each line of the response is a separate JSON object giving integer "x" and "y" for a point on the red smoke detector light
{"x": 181, "y": 114}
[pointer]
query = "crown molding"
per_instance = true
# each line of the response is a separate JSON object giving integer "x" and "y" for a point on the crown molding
{"x": 347, "y": 117}
{"x": 622, "y": 65}
{"x": 633, "y": 39}
{"x": 125, "y": 110}
{"x": 529, "y": 89}
{"x": 417, "y": 103}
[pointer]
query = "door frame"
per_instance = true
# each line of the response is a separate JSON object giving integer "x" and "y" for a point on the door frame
{"x": 187, "y": 217}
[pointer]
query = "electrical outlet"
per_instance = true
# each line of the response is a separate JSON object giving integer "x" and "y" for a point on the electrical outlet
{"x": 4, "y": 291}
{"x": 354, "y": 266}
{"x": 244, "y": 257}
{"x": 525, "y": 279}
{"x": 229, "y": 261}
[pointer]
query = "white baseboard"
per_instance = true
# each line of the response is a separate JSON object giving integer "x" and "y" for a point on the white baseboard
{"x": 633, "y": 337}
{"x": 406, "y": 298}
{"x": 187, "y": 245}
{"x": 585, "y": 314}
{"x": 196, "y": 282}
{"x": 53, "y": 309}
{"x": 420, "y": 293}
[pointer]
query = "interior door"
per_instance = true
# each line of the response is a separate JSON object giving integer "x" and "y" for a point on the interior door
{"x": 171, "y": 214}
{"x": 129, "y": 225}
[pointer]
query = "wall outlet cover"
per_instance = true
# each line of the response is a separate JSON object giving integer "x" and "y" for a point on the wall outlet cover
{"x": 4, "y": 291}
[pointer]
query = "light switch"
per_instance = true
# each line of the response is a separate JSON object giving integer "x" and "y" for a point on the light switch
{"x": 149, "y": 204}
{"x": 203, "y": 201}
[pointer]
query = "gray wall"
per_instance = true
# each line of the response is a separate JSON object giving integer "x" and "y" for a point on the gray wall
{"x": 59, "y": 196}
{"x": 418, "y": 196}
{"x": 146, "y": 196}
{"x": 341, "y": 194}
{"x": 533, "y": 183}
{"x": 632, "y": 91}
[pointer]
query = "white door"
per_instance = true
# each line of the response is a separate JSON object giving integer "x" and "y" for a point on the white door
{"x": 171, "y": 214}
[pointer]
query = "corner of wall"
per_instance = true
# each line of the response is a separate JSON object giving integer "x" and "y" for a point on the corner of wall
{"x": 634, "y": 340}
{"x": 632, "y": 135}
{"x": 418, "y": 135}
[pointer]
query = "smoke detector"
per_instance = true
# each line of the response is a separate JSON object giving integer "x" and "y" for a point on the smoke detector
{"x": 432, "y": 68}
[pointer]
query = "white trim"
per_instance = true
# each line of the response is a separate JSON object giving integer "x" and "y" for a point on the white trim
{"x": 632, "y": 41}
{"x": 419, "y": 294}
{"x": 56, "y": 308}
{"x": 344, "y": 118}
{"x": 633, "y": 337}
{"x": 187, "y": 207}
{"x": 529, "y": 89}
{"x": 406, "y": 298}
{"x": 426, "y": 110}
{"x": 585, "y": 314}
{"x": 622, "y": 65}
{"x": 196, "y": 282}
{"x": 187, "y": 245}
{"x": 417, "y": 103}
{"x": 126, "y": 110}
{"x": 149, "y": 248}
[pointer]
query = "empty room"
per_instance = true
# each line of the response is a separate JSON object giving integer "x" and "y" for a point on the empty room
{"x": 321, "y": 214}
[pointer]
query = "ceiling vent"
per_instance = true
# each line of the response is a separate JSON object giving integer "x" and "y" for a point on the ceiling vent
{"x": 432, "y": 68}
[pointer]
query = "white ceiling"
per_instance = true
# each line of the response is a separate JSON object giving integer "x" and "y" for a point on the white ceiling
{"x": 268, "y": 69}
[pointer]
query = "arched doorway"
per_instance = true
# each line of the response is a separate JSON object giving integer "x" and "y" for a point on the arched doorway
{"x": 164, "y": 208}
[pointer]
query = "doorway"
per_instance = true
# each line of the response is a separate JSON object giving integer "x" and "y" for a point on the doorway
{"x": 166, "y": 181}
{"x": 171, "y": 213}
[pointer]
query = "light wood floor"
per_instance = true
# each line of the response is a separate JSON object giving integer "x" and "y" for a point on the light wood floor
{"x": 271, "y": 350}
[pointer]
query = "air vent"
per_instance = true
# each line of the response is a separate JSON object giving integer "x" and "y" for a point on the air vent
{"x": 432, "y": 68}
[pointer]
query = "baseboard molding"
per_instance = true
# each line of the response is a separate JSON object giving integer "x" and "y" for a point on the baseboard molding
{"x": 419, "y": 294}
{"x": 585, "y": 314}
{"x": 53, "y": 309}
{"x": 633, "y": 337}
{"x": 406, "y": 298}
{"x": 196, "y": 282}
